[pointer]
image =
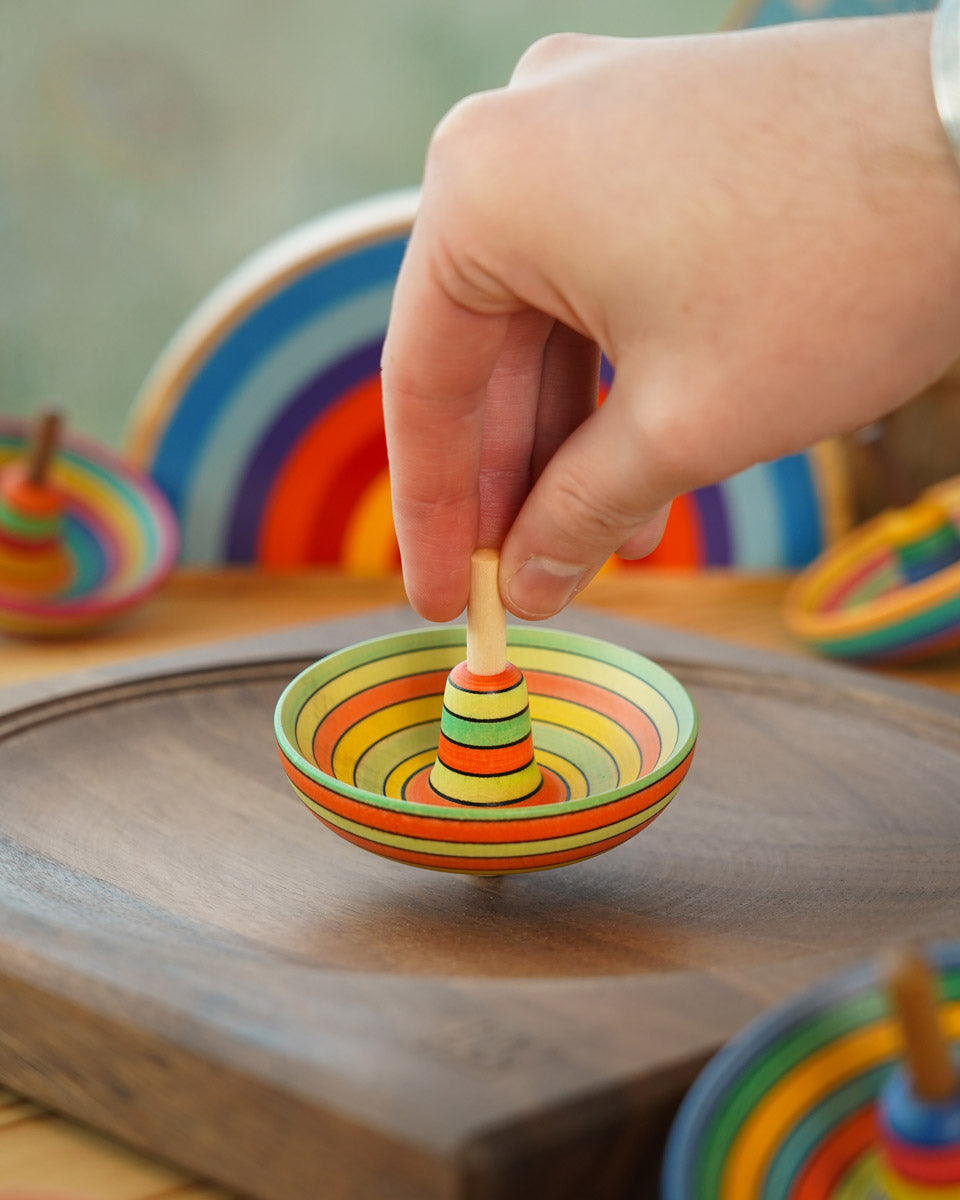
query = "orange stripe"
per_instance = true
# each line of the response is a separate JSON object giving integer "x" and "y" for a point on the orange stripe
{"x": 485, "y": 760}
{"x": 308, "y": 476}
{"x": 524, "y": 862}
{"x": 32, "y": 499}
{"x": 466, "y": 681}
{"x": 442, "y": 829}
{"x": 681, "y": 544}
{"x": 335, "y": 724}
{"x": 602, "y": 700}
{"x": 835, "y": 1156}
{"x": 419, "y": 791}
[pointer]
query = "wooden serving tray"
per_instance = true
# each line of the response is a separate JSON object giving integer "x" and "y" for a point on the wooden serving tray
{"x": 190, "y": 961}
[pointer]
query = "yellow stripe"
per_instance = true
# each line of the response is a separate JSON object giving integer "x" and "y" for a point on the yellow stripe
{"x": 834, "y": 487}
{"x": 855, "y": 1184}
{"x": 478, "y": 789}
{"x": 360, "y": 679}
{"x": 482, "y": 849}
{"x": 486, "y": 706}
{"x": 392, "y": 754}
{"x": 801, "y": 1089}
{"x": 360, "y": 737}
{"x": 393, "y": 787}
{"x": 895, "y": 1188}
{"x": 569, "y": 772}
{"x": 614, "y": 679}
{"x": 595, "y": 725}
{"x": 368, "y": 540}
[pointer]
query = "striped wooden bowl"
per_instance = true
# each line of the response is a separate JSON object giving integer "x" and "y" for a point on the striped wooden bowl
{"x": 613, "y": 734}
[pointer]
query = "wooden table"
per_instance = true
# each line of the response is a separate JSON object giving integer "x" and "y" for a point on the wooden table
{"x": 41, "y": 1150}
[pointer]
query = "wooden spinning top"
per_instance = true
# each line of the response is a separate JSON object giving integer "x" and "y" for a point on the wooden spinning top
{"x": 32, "y": 558}
{"x": 485, "y": 755}
{"x": 918, "y": 1111}
{"x": 924, "y": 538}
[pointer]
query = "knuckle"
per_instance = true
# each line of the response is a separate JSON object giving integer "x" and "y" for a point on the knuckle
{"x": 548, "y": 52}
{"x": 466, "y": 130}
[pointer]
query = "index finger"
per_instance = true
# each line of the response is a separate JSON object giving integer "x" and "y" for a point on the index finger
{"x": 437, "y": 359}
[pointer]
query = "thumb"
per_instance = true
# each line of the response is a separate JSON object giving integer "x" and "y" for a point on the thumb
{"x": 598, "y": 493}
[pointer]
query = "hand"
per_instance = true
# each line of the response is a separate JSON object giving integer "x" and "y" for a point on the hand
{"x": 760, "y": 230}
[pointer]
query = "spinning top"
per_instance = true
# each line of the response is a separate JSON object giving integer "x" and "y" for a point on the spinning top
{"x": 82, "y": 536}
{"x": 918, "y": 1110}
{"x": 809, "y": 1101}
{"x": 32, "y": 557}
{"x": 485, "y": 754}
{"x": 889, "y": 591}
{"x": 359, "y": 733}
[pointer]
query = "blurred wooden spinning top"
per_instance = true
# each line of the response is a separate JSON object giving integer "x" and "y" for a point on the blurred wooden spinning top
{"x": 83, "y": 537}
{"x": 33, "y": 560}
{"x": 890, "y": 590}
{"x": 485, "y": 755}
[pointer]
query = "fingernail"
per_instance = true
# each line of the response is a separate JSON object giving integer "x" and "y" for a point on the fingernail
{"x": 542, "y": 586}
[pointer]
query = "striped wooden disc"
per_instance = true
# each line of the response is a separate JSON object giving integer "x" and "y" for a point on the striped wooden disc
{"x": 613, "y": 734}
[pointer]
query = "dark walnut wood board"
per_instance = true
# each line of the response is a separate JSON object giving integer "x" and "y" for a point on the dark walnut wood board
{"x": 189, "y": 960}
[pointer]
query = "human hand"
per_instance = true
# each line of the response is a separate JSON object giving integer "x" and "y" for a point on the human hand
{"x": 762, "y": 233}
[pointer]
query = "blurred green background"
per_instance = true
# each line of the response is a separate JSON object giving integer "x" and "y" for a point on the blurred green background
{"x": 147, "y": 147}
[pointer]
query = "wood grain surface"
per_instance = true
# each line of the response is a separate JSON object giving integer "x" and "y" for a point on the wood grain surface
{"x": 193, "y": 963}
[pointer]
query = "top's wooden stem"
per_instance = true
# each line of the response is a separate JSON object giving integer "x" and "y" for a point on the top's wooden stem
{"x": 914, "y": 999}
{"x": 45, "y": 441}
{"x": 486, "y": 616}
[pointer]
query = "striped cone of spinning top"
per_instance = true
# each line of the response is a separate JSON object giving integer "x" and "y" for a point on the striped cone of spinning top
{"x": 485, "y": 755}
{"x": 32, "y": 558}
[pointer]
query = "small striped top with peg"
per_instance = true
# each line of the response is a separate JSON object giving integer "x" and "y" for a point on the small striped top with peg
{"x": 32, "y": 558}
{"x": 485, "y": 755}
{"x": 918, "y": 1111}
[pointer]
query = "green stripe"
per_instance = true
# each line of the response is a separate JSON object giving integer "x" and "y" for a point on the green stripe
{"x": 485, "y": 733}
{"x": 896, "y": 635}
{"x": 27, "y": 526}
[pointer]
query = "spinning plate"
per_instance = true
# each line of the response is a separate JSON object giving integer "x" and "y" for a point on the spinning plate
{"x": 120, "y": 538}
{"x": 613, "y": 734}
{"x": 188, "y": 962}
{"x": 785, "y": 1111}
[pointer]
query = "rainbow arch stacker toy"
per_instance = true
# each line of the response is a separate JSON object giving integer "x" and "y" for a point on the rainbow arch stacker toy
{"x": 811, "y": 1103}
{"x": 261, "y": 422}
{"x": 489, "y": 786}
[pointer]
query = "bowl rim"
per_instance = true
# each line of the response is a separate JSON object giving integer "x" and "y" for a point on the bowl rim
{"x": 891, "y": 611}
{"x": 455, "y": 635}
